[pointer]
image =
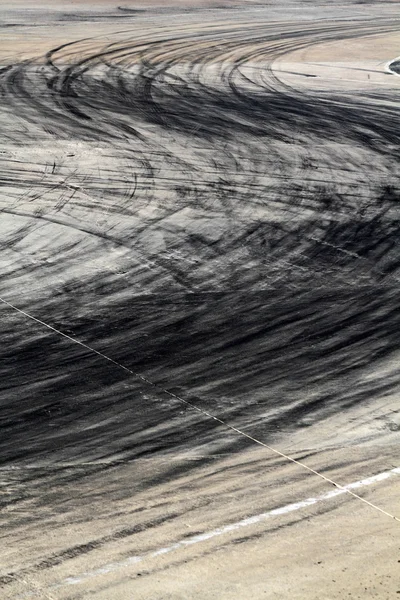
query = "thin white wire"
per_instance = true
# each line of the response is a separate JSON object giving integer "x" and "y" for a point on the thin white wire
{"x": 199, "y": 409}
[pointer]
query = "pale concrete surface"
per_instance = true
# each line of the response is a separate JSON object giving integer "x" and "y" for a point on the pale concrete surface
{"x": 221, "y": 250}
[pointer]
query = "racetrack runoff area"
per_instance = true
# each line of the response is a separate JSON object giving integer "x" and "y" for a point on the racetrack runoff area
{"x": 199, "y": 317}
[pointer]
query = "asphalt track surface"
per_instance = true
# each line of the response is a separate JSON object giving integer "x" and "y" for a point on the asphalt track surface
{"x": 181, "y": 227}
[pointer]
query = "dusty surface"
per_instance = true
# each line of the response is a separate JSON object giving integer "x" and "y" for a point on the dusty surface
{"x": 199, "y": 218}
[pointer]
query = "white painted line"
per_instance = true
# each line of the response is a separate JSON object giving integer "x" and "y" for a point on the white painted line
{"x": 197, "y": 539}
{"x": 389, "y": 70}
